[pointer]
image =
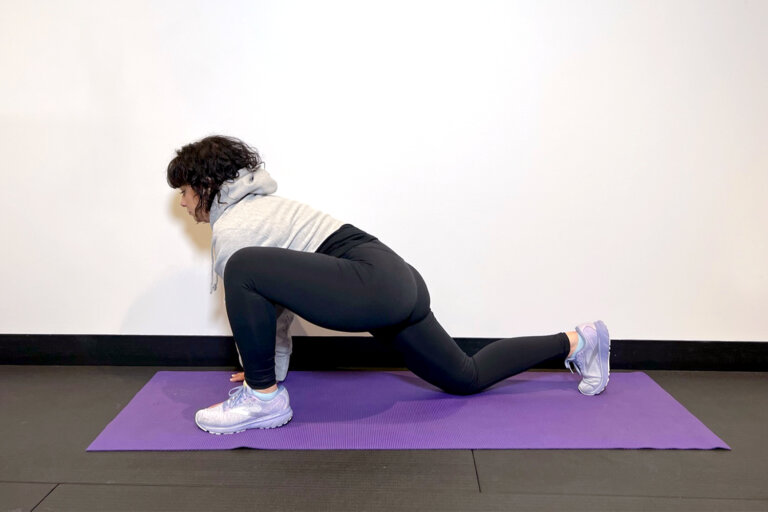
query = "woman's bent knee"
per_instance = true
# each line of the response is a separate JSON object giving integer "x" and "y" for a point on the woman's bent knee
{"x": 463, "y": 390}
{"x": 241, "y": 263}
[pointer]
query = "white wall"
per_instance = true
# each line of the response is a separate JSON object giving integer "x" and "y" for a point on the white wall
{"x": 541, "y": 163}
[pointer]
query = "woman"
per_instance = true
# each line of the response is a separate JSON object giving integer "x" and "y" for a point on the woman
{"x": 275, "y": 253}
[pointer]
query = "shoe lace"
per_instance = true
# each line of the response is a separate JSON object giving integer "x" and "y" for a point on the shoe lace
{"x": 236, "y": 396}
{"x": 571, "y": 363}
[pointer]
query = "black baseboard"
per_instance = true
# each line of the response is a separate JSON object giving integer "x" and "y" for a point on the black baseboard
{"x": 343, "y": 352}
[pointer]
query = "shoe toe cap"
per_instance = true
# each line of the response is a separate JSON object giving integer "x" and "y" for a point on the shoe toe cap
{"x": 207, "y": 417}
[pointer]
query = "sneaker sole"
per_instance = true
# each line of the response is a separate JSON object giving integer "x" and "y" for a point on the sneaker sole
{"x": 263, "y": 423}
{"x": 603, "y": 354}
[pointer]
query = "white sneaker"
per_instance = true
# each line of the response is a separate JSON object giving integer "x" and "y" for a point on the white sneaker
{"x": 592, "y": 361}
{"x": 244, "y": 410}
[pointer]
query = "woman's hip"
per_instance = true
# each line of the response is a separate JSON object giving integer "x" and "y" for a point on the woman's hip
{"x": 393, "y": 277}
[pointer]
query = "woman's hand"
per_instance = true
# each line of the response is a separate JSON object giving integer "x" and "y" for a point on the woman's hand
{"x": 237, "y": 377}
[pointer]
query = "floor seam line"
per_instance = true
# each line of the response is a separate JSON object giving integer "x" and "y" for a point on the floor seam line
{"x": 44, "y": 498}
{"x": 477, "y": 476}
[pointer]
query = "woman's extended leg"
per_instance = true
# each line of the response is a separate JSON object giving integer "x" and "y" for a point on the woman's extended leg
{"x": 434, "y": 356}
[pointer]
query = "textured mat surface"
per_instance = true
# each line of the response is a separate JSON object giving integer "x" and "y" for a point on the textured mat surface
{"x": 395, "y": 410}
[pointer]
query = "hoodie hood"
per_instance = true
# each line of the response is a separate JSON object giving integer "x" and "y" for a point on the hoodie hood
{"x": 247, "y": 182}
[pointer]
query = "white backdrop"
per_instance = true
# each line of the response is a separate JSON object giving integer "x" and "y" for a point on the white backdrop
{"x": 541, "y": 163}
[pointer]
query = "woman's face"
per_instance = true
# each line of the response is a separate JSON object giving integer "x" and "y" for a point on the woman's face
{"x": 190, "y": 200}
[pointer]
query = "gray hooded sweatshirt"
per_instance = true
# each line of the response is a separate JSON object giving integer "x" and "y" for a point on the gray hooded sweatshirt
{"x": 251, "y": 216}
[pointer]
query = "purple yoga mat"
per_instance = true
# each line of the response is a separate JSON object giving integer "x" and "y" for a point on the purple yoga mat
{"x": 396, "y": 410}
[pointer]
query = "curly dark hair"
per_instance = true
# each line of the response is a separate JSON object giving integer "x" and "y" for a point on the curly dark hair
{"x": 206, "y": 164}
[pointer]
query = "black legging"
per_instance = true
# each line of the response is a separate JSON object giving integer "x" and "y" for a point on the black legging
{"x": 368, "y": 288}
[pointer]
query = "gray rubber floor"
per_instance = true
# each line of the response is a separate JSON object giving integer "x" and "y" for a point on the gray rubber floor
{"x": 50, "y": 414}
